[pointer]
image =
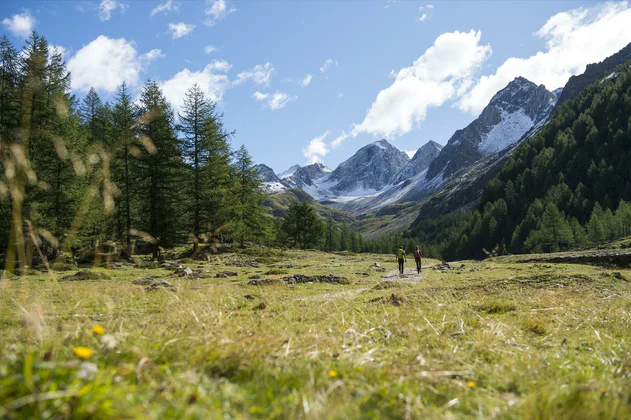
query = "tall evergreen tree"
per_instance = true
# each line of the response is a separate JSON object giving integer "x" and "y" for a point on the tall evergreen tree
{"x": 249, "y": 219}
{"x": 160, "y": 170}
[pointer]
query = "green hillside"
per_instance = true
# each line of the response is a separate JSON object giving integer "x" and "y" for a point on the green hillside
{"x": 278, "y": 204}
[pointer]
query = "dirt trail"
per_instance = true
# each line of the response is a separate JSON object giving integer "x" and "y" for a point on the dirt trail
{"x": 409, "y": 276}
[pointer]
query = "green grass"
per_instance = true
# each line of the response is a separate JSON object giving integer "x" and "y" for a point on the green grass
{"x": 490, "y": 339}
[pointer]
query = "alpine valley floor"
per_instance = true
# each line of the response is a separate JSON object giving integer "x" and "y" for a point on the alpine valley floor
{"x": 497, "y": 338}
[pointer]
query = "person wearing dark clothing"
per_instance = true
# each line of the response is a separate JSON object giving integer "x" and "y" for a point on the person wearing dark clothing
{"x": 418, "y": 254}
{"x": 401, "y": 259}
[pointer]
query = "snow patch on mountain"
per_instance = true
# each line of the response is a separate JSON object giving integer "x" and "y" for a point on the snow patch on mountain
{"x": 511, "y": 127}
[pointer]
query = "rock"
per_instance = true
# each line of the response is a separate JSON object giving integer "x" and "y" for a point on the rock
{"x": 226, "y": 274}
{"x": 144, "y": 282}
{"x": 220, "y": 275}
{"x": 160, "y": 284}
{"x": 265, "y": 282}
{"x": 377, "y": 265}
{"x": 249, "y": 297}
{"x": 255, "y": 277}
{"x": 619, "y": 276}
{"x": 86, "y": 275}
{"x": 260, "y": 306}
{"x": 184, "y": 271}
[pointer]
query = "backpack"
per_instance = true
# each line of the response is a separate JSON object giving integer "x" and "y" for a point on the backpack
{"x": 400, "y": 254}
{"x": 418, "y": 254}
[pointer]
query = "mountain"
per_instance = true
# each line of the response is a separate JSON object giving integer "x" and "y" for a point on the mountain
{"x": 368, "y": 171}
{"x": 567, "y": 186}
{"x": 513, "y": 111}
{"x": 271, "y": 182}
{"x": 593, "y": 73}
{"x": 289, "y": 172}
{"x": 308, "y": 178}
{"x": 278, "y": 203}
{"x": 420, "y": 162}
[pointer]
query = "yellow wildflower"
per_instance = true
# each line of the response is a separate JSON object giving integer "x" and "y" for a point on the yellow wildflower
{"x": 98, "y": 330}
{"x": 82, "y": 352}
{"x": 470, "y": 384}
{"x": 332, "y": 374}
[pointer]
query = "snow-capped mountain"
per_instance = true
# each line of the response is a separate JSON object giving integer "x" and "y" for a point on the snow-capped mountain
{"x": 514, "y": 110}
{"x": 420, "y": 162}
{"x": 368, "y": 171}
{"x": 307, "y": 177}
{"x": 289, "y": 172}
{"x": 271, "y": 182}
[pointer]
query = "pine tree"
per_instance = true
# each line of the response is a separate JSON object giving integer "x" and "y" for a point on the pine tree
{"x": 123, "y": 121}
{"x": 160, "y": 170}
{"x": 249, "y": 220}
{"x": 303, "y": 226}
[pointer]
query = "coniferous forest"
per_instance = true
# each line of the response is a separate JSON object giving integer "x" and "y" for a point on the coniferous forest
{"x": 81, "y": 177}
{"x": 567, "y": 187}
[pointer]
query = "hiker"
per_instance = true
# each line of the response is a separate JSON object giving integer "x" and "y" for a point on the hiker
{"x": 401, "y": 258}
{"x": 418, "y": 254}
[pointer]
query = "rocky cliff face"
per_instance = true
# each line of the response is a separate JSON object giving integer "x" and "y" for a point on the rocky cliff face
{"x": 514, "y": 110}
{"x": 271, "y": 182}
{"x": 593, "y": 73}
{"x": 419, "y": 162}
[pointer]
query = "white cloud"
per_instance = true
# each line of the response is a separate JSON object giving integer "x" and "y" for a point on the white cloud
{"x": 328, "y": 64}
{"x": 339, "y": 95}
{"x": 212, "y": 80}
{"x": 305, "y": 82}
{"x": 279, "y": 100}
{"x": 276, "y": 100}
{"x": 435, "y": 77}
{"x": 573, "y": 40}
{"x": 152, "y": 55}
{"x": 317, "y": 149}
{"x": 20, "y": 25}
{"x": 260, "y": 96}
{"x": 339, "y": 140}
{"x": 108, "y": 6}
{"x": 217, "y": 10}
{"x": 107, "y": 62}
{"x": 209, "y": 49}
{"x": 424, "y": 17}
{"x": 169, "y": 6}
{"x": 260, "y": 74}
{"x": 430, "y": 6}
{"x": 178, "y": 30}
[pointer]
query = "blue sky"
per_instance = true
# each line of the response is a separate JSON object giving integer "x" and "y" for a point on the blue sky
{"x": 405, "y": 70}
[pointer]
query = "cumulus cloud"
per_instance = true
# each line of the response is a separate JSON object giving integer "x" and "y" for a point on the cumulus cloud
{"x": 20, "y": 25}
{"x": 260, "y": 74}
{"x": 209, "y": 49}
{"x": 108, "y": 6}
{"x": 317, "y": 149}
{"x": 435, "y": 77}
{"x": 305, "y": 82}
{"x": 424, "y": 17}
{"x": 276, "y": 100}
{"x": 217, "y": 10}
{"x": 573, "y": 39}
{"x": 178, "y": 30}
{"x": 328, "y": 64}
{"x": 169, "y": 6}
{"x": 107, "y": 62}
{"x": 260, "y": 96}
{"x": 212, "y": 80}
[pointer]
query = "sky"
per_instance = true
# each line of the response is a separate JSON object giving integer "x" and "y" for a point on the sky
{"x": 313, "y": 81}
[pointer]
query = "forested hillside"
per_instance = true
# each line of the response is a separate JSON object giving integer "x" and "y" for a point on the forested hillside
{"x": 568, "y": 186}
{"x": 93, "y": 175}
